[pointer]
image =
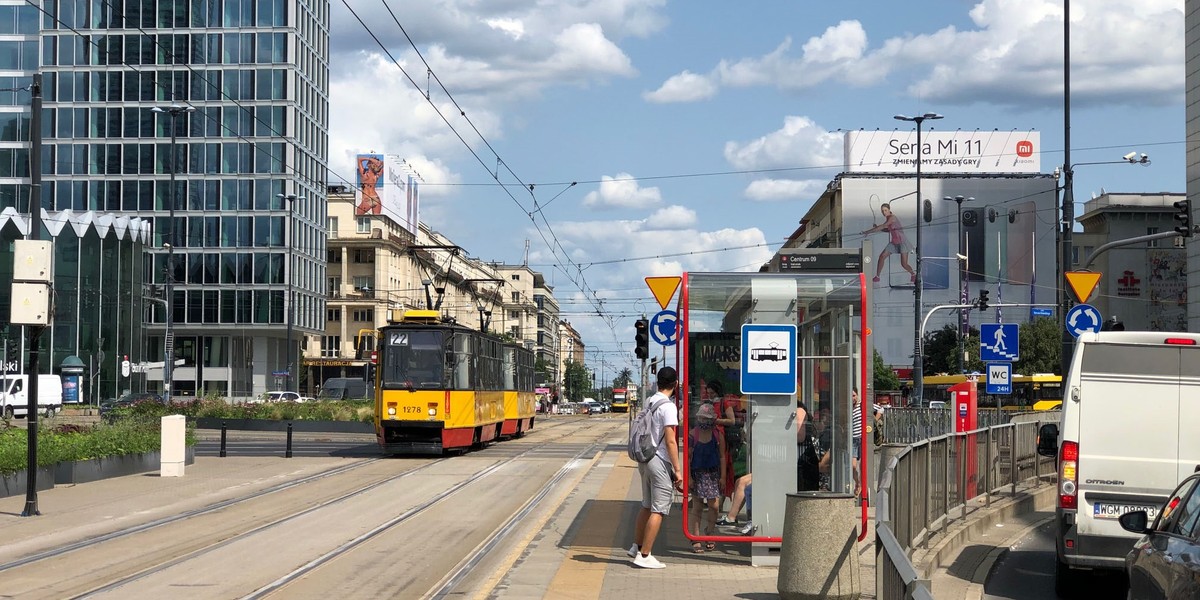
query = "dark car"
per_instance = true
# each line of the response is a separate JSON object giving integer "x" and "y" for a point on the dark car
{"x": 1165, "y": 562}
{"x": 107, "y": 407}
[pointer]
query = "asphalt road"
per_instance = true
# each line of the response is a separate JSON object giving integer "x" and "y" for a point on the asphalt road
{"x": 1026, "y": 572}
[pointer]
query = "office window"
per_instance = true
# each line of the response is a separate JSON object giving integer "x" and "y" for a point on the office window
{"x": 516, "y": 276}
{"x": 516, "y": 296}
{"x": 366, "y": 315}
{"x": 330, "y": 344}
{"x": 364, "y": 224}
{"x": 366, "y": 255}
{"x": 1151, "y": 231}
{"x": 333, "y": 314}
{"x": 331, "y": 225}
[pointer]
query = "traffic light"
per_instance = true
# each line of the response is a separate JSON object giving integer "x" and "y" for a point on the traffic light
{"x": 1184, "y": 216}
{"x": 641, "y": 338}
{"x": 1112, "y": 324}
{"x": 983, "y": 300}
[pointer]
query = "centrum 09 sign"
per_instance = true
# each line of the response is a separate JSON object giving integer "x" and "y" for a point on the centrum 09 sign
{"x": 970, "y": 152}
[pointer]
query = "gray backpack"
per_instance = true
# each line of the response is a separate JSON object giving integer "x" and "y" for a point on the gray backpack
{"x": 642, "y": 443}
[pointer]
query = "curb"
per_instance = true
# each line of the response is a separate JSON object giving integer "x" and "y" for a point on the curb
{"x": 947, "y": 549}
{"x": 979, "y": 578}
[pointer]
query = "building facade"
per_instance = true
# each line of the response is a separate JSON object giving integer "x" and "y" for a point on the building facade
{"x": 1191, "y": 51}
{"x": 1144, "y": 286}
{"x": 242, "y": 88}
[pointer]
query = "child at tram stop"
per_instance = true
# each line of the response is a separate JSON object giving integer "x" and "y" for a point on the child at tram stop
{"x": 706, "y": 465}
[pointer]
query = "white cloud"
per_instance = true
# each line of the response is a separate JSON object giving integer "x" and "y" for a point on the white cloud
{"x": 673, "y": 217}
{"x": 684, "y": 87}
{"x": 800, "y": 142}
{"x": 622, "y": 191}
{"x": 1121, "y": 53}
{"x": 773, "y": 190}
{"x": 513, "y": 27}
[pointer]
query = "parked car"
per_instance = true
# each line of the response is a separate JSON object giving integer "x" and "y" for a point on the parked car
{"x": 108, "y": 406}
{"x": 1165, "y": 562}
{"x": 283, "y": 396}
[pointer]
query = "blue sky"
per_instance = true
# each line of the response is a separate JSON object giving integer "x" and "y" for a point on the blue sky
{"x": 701, "y": 132}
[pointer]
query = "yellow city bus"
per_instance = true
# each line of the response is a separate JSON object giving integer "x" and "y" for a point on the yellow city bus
{"x": 1040, "y": 391}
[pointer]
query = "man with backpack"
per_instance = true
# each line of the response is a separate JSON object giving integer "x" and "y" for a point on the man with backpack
{"x": 660, "y": 470}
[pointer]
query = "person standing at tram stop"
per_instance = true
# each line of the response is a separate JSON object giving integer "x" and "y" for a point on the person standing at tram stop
{"x": 706, "y": 467}
{"x": 661, "y": 476}
{"x": 731, "y": 426}
{"x": 895, "y": 244}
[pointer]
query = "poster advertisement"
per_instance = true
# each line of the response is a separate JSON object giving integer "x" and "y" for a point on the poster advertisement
{"x": 385, "y": 186}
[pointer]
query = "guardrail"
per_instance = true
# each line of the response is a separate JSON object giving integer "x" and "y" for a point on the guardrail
{"x": 904, "y": 425}
{"x": 928, "y": 483}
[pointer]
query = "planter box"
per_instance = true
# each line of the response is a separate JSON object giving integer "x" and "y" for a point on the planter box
{"x": 297, "y": 426}
{"x": 84, "y": 471}
{"x": 14, "y": 485}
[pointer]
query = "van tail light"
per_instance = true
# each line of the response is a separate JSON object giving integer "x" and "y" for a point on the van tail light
{"x": 1181, "y": 341}
{"x": 1068, "y": 475}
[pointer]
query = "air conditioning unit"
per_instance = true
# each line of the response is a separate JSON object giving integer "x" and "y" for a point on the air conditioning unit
{"x": 376, "y": 233}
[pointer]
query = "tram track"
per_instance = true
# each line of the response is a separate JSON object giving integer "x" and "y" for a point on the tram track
{"x": 112, "y": 578}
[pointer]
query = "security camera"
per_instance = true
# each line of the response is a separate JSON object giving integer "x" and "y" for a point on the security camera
{"x": 1130, "y": 156}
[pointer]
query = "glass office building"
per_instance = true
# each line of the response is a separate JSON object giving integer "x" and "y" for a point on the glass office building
{"x": 256, "y": 74}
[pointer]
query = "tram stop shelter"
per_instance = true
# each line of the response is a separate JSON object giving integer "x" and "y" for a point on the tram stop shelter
{"x": 764, "y": 344}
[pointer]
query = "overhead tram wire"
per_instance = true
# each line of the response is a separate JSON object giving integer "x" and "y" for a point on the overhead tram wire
{"x": 554, "y": 247}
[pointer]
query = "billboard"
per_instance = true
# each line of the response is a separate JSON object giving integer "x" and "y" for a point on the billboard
{"x": 957, "y": 152}
{"x": 1005, "y": 230}
{"x": 385, "y": 187}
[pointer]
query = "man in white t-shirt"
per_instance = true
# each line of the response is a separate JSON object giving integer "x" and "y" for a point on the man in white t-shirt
{"x": 661, "y": 476}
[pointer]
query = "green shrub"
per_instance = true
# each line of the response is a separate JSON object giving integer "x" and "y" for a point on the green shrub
{"x": 342, "y": 410}
{"x": 69, "y": 442}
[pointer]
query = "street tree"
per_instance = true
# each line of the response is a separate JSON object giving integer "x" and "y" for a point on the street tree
{"x": 885, "y": 378}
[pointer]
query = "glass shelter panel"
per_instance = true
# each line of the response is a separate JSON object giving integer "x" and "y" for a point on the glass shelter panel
{"x": 793, "y": 440}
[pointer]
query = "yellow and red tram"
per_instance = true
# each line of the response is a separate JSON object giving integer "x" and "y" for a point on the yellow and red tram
{"x": 441, "y": 386}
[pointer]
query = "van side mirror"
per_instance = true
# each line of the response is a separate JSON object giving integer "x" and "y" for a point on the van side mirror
{"x": 1047, "y": 440}
{"x": 1134, "y": 522}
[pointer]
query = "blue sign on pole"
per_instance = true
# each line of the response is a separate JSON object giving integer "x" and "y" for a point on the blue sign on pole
{"x": 1041, "y": 312}
{"x": 999, "y": 378}
{"x": 664, "y": 326}
{"x": 769, "y": 359}
{"x": 1081, "y": 318}
{"x": 999, "y": 342}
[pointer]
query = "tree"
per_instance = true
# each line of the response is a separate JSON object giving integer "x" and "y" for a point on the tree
{"x": 1041, "y": 347}
{"x": 578, "y": 381}
{"x": 885, "y": 378}
{"x": 623, "y": 378}
{"x": 940, "y": 351}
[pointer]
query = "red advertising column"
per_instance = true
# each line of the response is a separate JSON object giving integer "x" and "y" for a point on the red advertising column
{"x": 966, "y": 418}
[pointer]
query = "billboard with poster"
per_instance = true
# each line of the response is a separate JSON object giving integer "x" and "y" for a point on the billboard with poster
{"x": 959, "y": 152}
{"x": 1006, "y": 232}
{"x": 386, "y": 187}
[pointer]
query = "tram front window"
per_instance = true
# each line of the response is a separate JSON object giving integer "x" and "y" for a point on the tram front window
{"x": 414, "y": 359}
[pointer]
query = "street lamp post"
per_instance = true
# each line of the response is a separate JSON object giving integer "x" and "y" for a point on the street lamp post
{"x": 1068, "y": 225}
{"x": 918, "y": 371}
{"x": 173, "y": 111}
{"x": 292, "y": 383}
{"x": 962, "y": 282}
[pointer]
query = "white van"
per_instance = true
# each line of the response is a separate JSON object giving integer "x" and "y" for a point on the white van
{"x": 1127, "y": 436}
{"x": 14, "y": 399}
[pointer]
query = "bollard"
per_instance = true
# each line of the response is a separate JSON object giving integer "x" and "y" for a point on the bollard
{"x": 224, "y": 434}
{"x": 173, "y": 453}
{"x": 288, "y": 453}
{"x": 819, "y": 553}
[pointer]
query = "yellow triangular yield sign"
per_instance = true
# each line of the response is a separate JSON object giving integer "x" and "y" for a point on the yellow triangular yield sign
{"x": 663, "y": 289}
{"x": 1083, "y": 283}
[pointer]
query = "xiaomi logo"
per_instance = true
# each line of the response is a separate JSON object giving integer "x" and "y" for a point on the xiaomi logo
{"x": 1024, "y": 148}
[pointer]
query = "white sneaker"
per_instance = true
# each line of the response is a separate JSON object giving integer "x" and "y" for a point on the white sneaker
{"x": 632, "y": 552}
{"x": 747, "y": 528}
{"x": 648, "y": 562}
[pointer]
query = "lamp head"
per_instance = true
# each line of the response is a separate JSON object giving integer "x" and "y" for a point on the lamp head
{"x": 931, "y": 116}
{"x": 1130, "y": 157}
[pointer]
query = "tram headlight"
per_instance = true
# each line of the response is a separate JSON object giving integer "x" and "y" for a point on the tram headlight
{"x": 433, "y": 412}
{"x": 392, "y": 411}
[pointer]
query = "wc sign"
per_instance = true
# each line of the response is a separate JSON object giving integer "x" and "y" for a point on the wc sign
{"x": 999, "y": 378}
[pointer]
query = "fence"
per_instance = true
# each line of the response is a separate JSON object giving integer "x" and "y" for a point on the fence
{"x": 929, "y": 484}
{"x": 911, "y": 425}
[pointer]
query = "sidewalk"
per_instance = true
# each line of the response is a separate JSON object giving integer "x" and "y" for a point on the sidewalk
{"x": 579, "y": 553}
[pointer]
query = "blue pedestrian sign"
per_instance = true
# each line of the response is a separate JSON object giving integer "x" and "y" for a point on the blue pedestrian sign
{"x": 999, "y": 342}
{"x": 664, "y": 327}
{"x": 769, "y": 359}
{"x": 1081, "y": 318}
{"x": 999, "y": 378}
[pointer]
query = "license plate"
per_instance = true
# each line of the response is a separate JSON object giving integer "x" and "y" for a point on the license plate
{"x": 1105, "y": 510}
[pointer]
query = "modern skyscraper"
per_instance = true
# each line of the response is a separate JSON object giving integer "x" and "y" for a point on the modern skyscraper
{"x": 249, "y": 83}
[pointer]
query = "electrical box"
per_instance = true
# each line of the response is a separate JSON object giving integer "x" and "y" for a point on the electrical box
{"x": 33, "y": 260}
{"x": 30, "y": 304}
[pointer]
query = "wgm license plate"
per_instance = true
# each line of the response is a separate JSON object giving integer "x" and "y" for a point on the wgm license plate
{"x": 1105, "y": 510}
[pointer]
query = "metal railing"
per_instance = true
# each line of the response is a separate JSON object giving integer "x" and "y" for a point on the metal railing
{"x": 929, "y": 484}
{"x": 911, "y": 425}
